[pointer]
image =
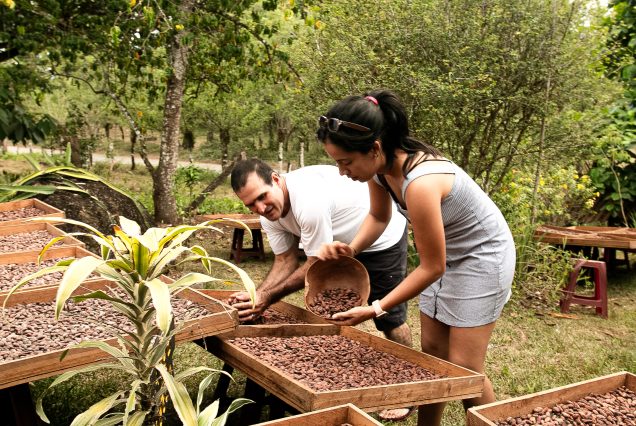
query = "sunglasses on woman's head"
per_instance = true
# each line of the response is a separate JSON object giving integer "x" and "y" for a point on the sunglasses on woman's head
{"x": 333, "y": 124}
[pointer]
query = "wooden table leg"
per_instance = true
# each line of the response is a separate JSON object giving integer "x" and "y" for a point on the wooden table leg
{"x": 251, "y": 414}
{"x": 237, "y": 245}
{"x": 223, "y": 383}
{"x": 17, "y": 407}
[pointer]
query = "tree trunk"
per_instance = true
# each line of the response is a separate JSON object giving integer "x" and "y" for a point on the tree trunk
{"x": 301, "y": 156}
{"x": 214, "y": 184}
{"x": 76, "y": 150}
{"x": 133, "y": 144}
{"x": 224, "y": 136}
{"x": 162, "y": 177}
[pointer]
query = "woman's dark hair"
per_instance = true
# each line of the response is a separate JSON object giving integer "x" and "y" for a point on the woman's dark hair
{"x": 383, "y": 113}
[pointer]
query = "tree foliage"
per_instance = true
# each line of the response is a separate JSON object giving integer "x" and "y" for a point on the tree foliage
{"x": 474, "y": 76}
{"x": 163, "y": 48}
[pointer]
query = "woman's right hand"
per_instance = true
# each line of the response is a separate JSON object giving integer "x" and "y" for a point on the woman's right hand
{"x": 334, "y": 250}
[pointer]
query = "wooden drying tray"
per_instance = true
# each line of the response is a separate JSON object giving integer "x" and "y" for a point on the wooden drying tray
{"x": 335, "y": 416}
{"x": 47, "y": 210}
{"x": 458, "y": 382}
{"x": 52, "y": 253}
{"x": 586, "y": 236}
{"x": 222, "y": 318}
{"x": 302, "y": 315}
{"x": 32, "y": 227}
{"x": 253, "y": 221}
{"x": 488, "y": 414}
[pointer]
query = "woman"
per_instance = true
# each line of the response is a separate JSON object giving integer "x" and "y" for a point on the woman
{"x": 466, "y": 250}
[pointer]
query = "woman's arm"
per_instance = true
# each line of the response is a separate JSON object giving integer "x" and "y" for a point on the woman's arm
{"x": 423, "y": 199}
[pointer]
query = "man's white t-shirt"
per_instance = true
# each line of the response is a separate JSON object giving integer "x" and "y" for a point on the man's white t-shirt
{"x": 326, "y": 207}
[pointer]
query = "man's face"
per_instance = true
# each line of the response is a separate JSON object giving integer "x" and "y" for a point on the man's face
{"x": 263, "y": 199}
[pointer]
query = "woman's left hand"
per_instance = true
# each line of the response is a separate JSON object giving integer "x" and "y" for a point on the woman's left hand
{"x": 353, "y": 316}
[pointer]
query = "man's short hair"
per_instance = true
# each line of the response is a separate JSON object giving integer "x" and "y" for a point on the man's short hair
{"x": 244, "y": 168}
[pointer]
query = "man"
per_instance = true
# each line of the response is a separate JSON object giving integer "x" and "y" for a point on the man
{"x": 315, "y": 205}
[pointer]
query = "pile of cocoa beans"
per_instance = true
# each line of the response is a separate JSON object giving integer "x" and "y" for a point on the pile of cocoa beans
{"x": 24, "y": 241}
{"x": 12, "y": 273}
{"x": 617, "y": 407}
{"x": 272, "y": 316}
{"x": 334, "y": 300}
{"x": 22, "y": 213}
{"x": 332, "y": 362}
{"x": 31, "y": 329}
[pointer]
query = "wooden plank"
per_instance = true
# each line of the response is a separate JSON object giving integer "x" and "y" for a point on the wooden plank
{"x": 459, "y": 382}
{"x": 603, "y": 241}
{"x": 486, "y": 415}
{"x": 253, "y": 221}
{"x": 334, "y": 416}
{"x": 47, "y": 210}
{"x": 606, "y": 229}
{"x": 296, "y": 312}
{"x": 222, "y": 319}
{"x": 54, "y": 252}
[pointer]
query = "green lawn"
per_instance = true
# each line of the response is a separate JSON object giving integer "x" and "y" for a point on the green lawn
{"x": 530, "y": 351}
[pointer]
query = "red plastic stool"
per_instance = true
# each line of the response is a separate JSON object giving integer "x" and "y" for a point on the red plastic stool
{"x": 599, "y": 300}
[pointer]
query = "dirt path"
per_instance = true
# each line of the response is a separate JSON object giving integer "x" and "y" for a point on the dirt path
{"x": 99, "y": 157}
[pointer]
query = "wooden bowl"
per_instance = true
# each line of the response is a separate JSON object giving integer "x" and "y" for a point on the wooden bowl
{"x": 344, "y": 272}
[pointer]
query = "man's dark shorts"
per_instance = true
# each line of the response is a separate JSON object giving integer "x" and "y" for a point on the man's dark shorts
{"x": 387, "y": 268}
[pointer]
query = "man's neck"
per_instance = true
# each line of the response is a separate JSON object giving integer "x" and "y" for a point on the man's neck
{"x": 287, "y": 202}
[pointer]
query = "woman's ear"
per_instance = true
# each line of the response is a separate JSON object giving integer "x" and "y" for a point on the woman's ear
{"x": 377, "y": 147}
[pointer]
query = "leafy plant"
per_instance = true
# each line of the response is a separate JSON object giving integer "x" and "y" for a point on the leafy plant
{"x": 614, "y": 169}
{"x": 135, "y": 262}
{"x": 189, "y": 177}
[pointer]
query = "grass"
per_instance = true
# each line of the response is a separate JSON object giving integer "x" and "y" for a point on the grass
{"x": 532, "y": 348}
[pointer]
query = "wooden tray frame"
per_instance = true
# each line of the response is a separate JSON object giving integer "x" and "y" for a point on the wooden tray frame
{"x": 53, "y": 253}
{"x": 459, "y": 383}
{"x": 486, "y": 415}
{"x": 31, "y": 227}
{"x": 223, "y": 318}
{"x": 283, "y": 307}
{"x": 49, "y": 210}
{"x": 334, "y": 416}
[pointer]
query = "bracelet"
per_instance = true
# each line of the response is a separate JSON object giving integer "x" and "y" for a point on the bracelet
{"x": 379, "y": 312}
{"x": 355, "y": 252}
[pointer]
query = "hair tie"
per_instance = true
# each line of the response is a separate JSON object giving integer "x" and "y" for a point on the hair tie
{"x": 371, "y": 99}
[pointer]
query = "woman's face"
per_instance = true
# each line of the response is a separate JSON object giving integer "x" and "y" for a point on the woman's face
{"x": 354, "y": 165}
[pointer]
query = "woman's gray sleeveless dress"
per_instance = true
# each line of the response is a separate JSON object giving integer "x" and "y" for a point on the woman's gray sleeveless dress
{"x": 480, "y": 253}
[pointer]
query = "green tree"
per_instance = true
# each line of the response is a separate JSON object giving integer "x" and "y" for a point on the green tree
{"x": 162, "y": 48}
{"x": 478, "y": 78}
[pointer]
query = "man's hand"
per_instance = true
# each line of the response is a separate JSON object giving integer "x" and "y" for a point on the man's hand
{"x": 353, "y": 316}
{"x": 334, "y": 250}
{"x": 242, "y": 302}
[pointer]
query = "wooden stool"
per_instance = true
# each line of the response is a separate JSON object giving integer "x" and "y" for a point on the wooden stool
{"x": 238, "y": 252}
{"x": 599, "y": 300}
{"x": 252, "y": 221}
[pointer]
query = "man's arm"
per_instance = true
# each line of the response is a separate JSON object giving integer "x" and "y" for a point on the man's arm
{"x": 284, "y": 278}
{"x": 280, "y": 280}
